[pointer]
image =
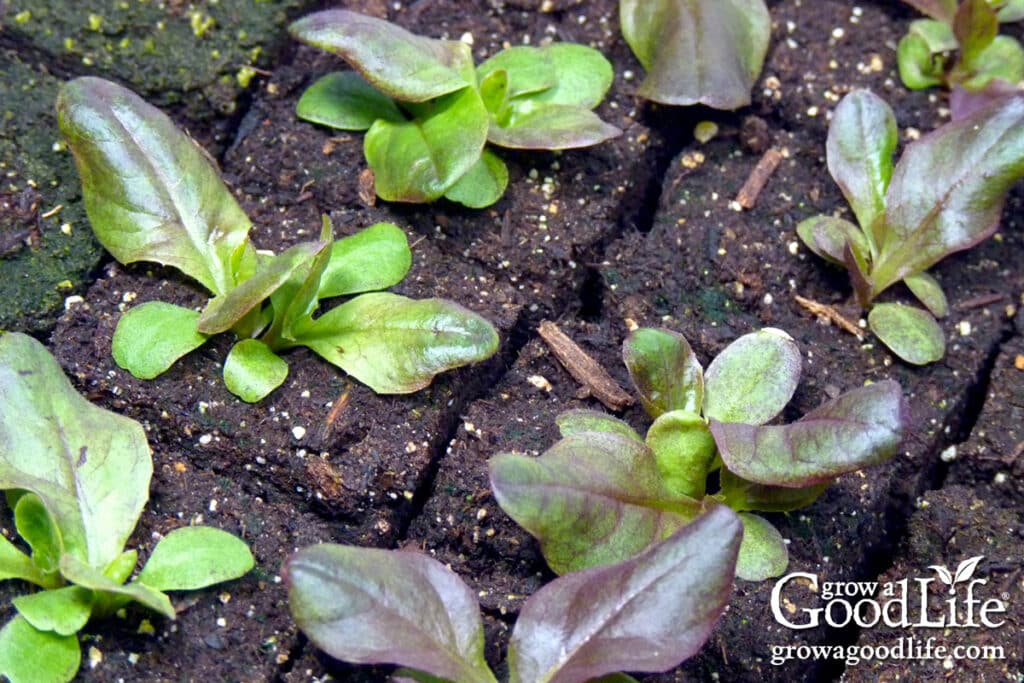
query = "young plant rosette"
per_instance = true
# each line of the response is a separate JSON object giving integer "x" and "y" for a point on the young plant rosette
{"x": 946, "y": 194}
{"x": 77, "y": 478}
{"x": 985, "y": 64}
{"x": 151, "y": 194}
{"x": 603, "y": 494}
{"x": 429, "y": 114}
{"x": 647, "y": 614}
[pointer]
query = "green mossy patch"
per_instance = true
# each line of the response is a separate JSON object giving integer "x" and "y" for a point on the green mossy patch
{"x": 42, "y": 260}
{"x": 199, "y": 54}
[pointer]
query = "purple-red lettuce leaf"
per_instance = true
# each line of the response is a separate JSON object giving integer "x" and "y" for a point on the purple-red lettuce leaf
{"x": 576, "y": 421}
{"x": 90, "y": 467}
{"x": 344, "y": 100}
{"x": 550, "y": 126}
{"x": 947, "y": 191}
{"x": 860, "y": 428}
{"x": 400, "y": 64}
{"x": 963, "y": 102}
{"x": 912, "y": 334}
{"x": 648, "y": 613}
{"x": 396, "y": 345}
{"x": 943, "y": 10}
{"x": 975, "y": 26}
{"x": 370, "y": 606}
{"x": 664, "y": 370}
{"x": 683, "y": 450}
{"x": 225, "y": 310}
{"x": 594, "y": 498}
{"x": 753, "y": 379}
{"x": 763, "y": 553}
{"x": 827, "y": 236}
{"x": 151, "y": 193}
{"x": 862, "y": 138}
{"x": 420, "y": 159}
{"x": 742, "y": 495}
{"x": 697, "y": 51}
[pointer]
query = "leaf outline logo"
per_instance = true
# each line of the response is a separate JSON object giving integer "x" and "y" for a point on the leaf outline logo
{"x": 964, "y": 571}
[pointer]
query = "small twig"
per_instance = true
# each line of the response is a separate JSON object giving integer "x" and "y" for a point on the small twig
{"x": 583, "y": 368}
{"x": 415, "y": 244}
{"x": 332, "y": 416}
{"x": 53, "y": 212}
{"x": 1017, "y": 452}
{"x": 758, "y": 178}
{"x": 831, "y": 314}
{"x": 979, "y": 301}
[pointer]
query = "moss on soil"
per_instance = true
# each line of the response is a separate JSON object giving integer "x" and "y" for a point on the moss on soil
{"x": 41, "y": 263}
{"x": 198, "y": 54}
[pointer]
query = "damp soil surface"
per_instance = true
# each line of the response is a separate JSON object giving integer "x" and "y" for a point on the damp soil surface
{"x": 641, "y": 230}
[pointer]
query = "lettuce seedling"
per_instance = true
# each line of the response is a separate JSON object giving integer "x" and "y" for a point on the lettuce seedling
{"x": 602, "y": 493}
{"x": 77, "y": 478}
{"x": 152, "y": 195}
{"x": 648, "y": 614}
{"x": 697, "y": 51}
{"x": 945, "y": 195}
{"x": 959, "y": 47}
{"x": 429, "y": 113}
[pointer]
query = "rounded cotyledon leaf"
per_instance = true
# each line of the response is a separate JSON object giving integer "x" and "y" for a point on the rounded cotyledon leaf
{"x": 753, "y": 379}
{"x": 194, "y": 557}
{"x": 151, "y": 336}
{"x": 398, "y": 63}
{"x": 528, "y": 69}
{"x": 664, "y": 370}
{"x": 911, "y": 333}
{"x": 344, "y": 100}
{"x": 252, "y": 370}
{"x": 763, "y": 553}
{"x": 28, "y": 655}
{"x": 90, "y": 467}
{"x": 483, "y": 184}
{"x": 929, "y": 292}
{"x": 646, "y": 614}
{"x": 582, "y": 76}
{"x": 594, "y": 498}
{"x": 370, "y": 606}
{"x": 862, "y": 427}
{"x": 397, "y": 345}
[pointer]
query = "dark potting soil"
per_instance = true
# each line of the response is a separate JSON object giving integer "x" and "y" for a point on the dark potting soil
{"x": 639, "y": 229}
